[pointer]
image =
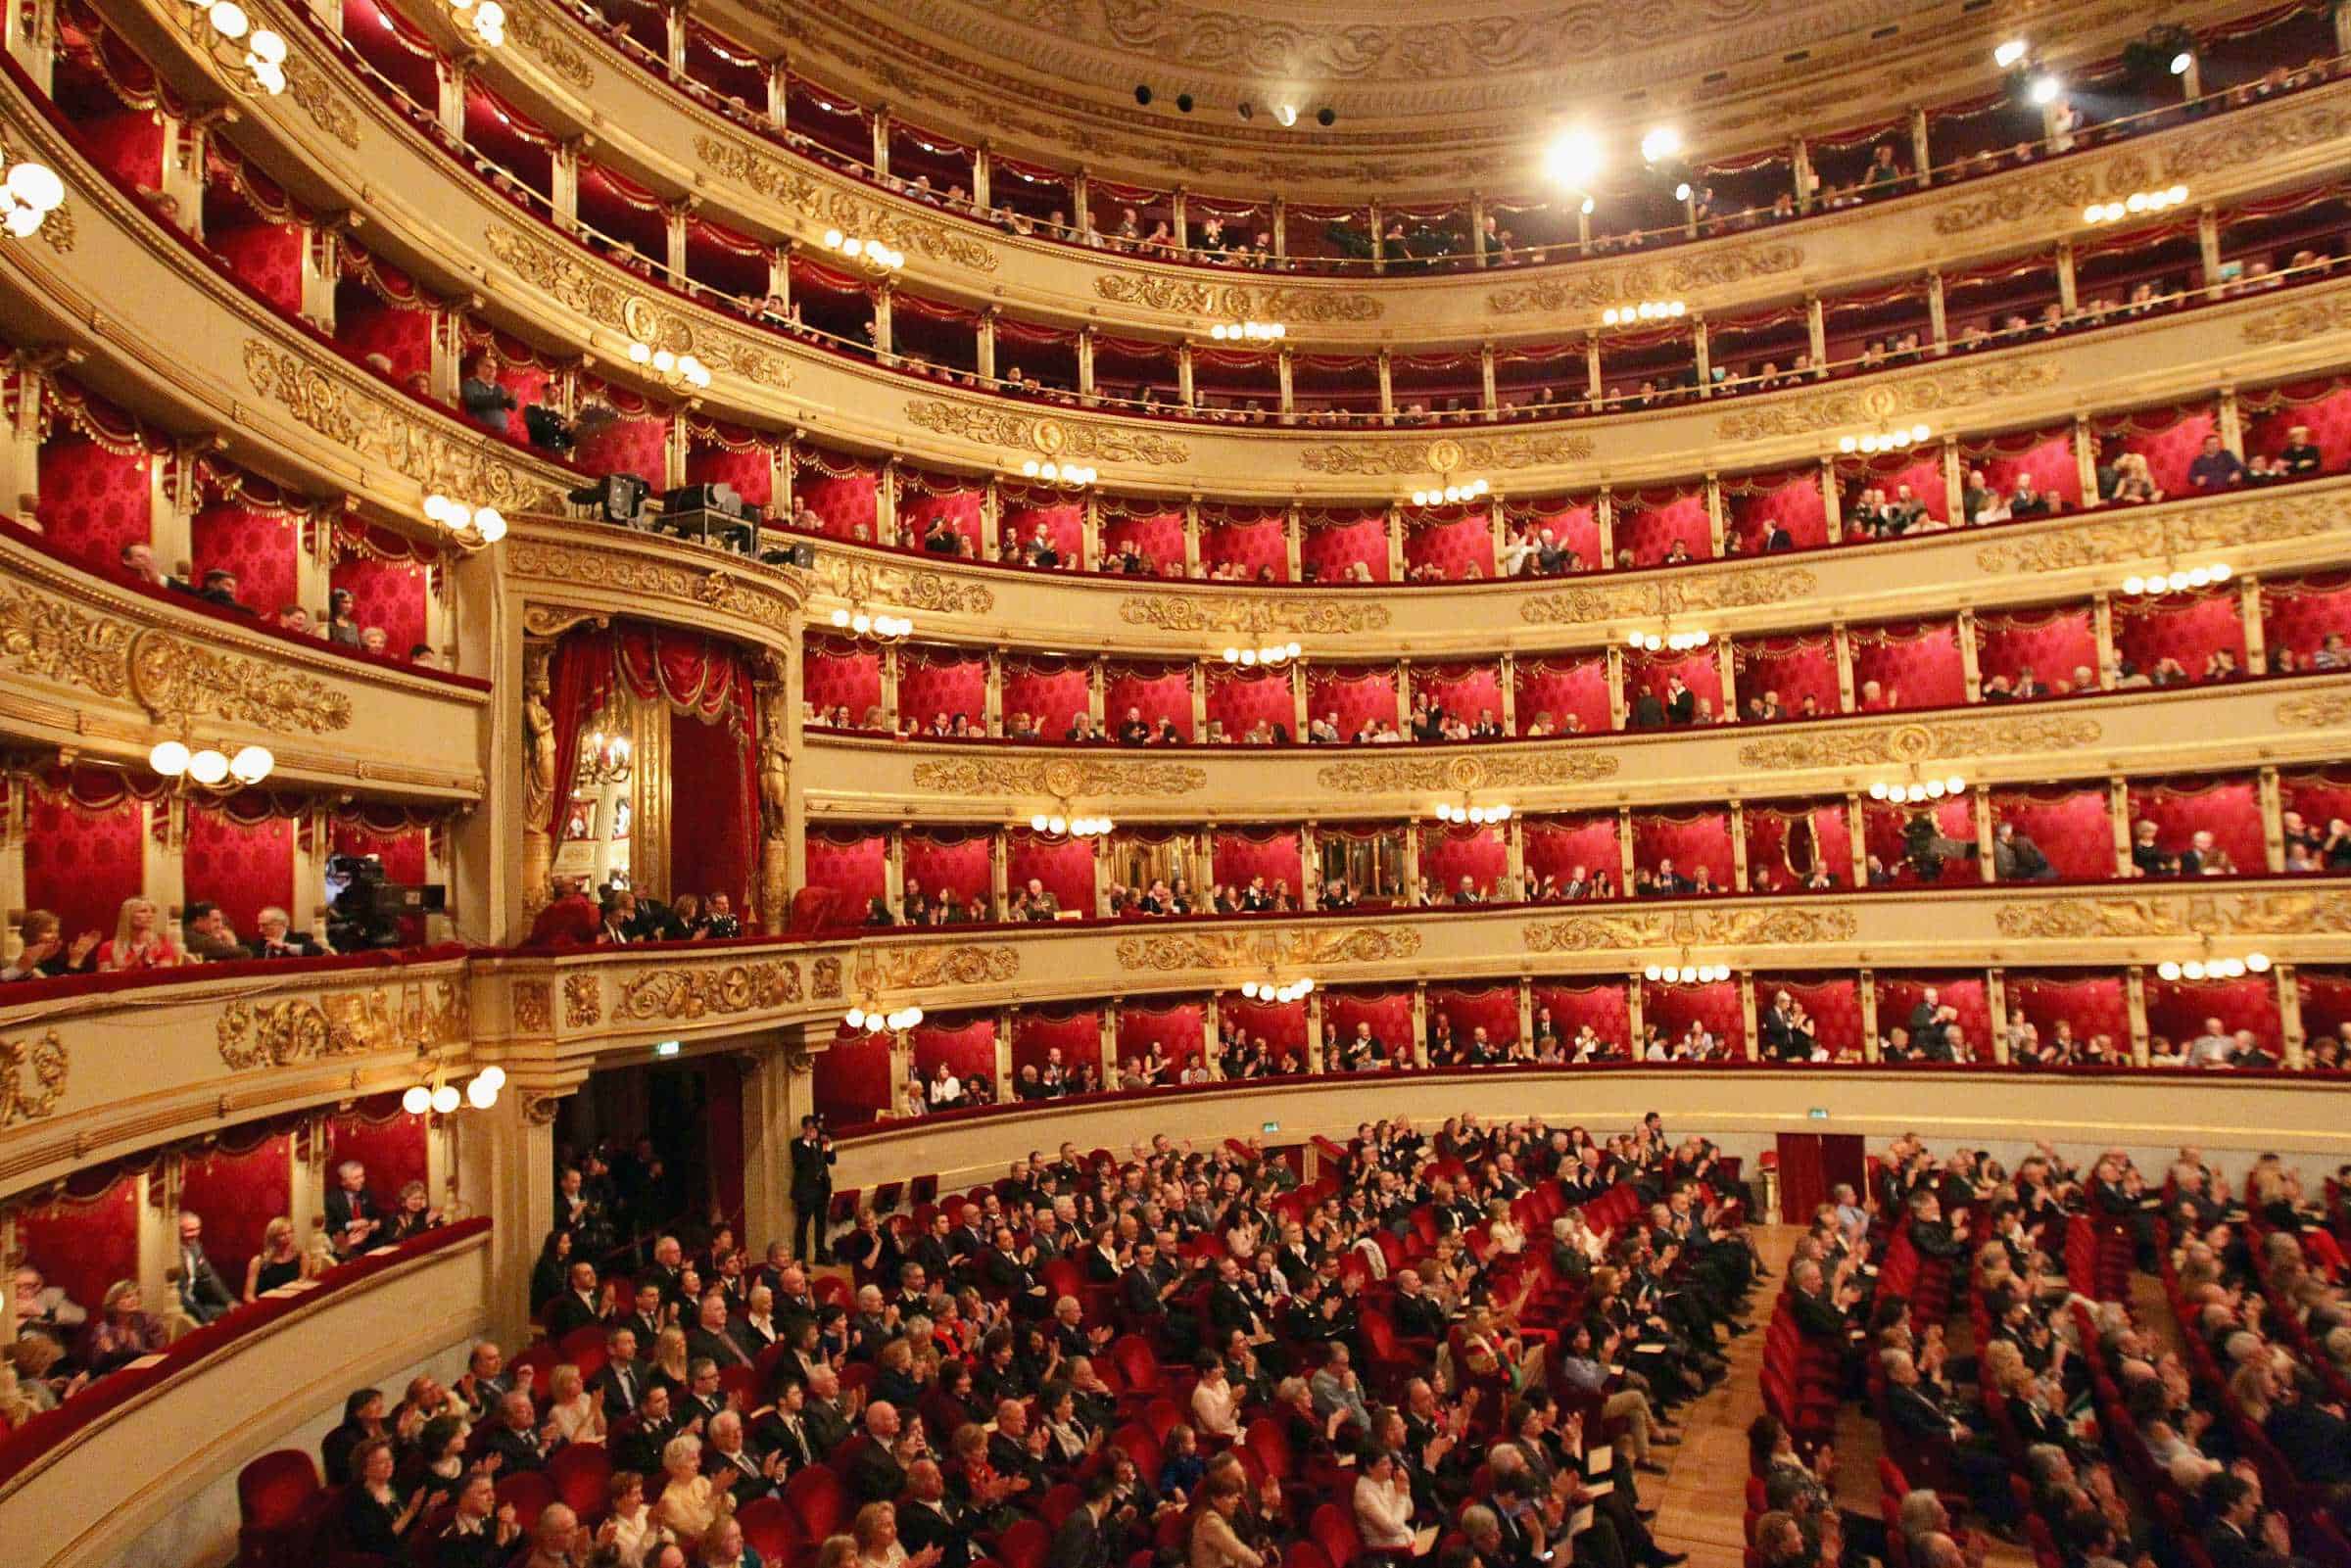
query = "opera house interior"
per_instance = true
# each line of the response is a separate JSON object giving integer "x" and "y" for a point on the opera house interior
{"x": 1175, "y": 784}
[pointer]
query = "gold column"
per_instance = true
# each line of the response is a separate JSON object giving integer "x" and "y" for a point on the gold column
{"x": 2086, "y": 460}
{"x": 2290, "y": 1027}
{"x": 2248, "y": 604}
{"x": 1485, "y": 375}
{"x": 2135, "y": 982}
{"x": 1954, "y": 489}
{"x": 1747, "y": 1008}
{"x": 1387, "y": 389}
{"x": 1843, "y": 640}
{"x": 1624, "y": 851}
{"x": 1509, "y": 693}
{"x": 1513, "y": 842}
{"x": 1980, "y": 810}
{"x": 1287, "y": 401}
{"x": 1395, "y": 532}
{"x": 1314, "y": 1031}
{"x": 1605, "y": 521}
{"x": 1632, "y": 1013}
{"x": 2118, "y": 812}
{"x": 1181, "y": 228}
{"x": 2208, "y": 243}
{"x": 649, "y": 799}
{"x": 2272, "y": 820}
{"x": 1596, "y": 390}
{"x": 1995, "y": 1005}
{"x": 1706, "y": 357}
{"x": 1857, "y": 842}
{"x": 1831, "y": 505}
{"x": 1420, "y": 1024}
{"x": 1938, "y": 315}
{"x": 1869, "y": 1016}
{"x": 1714, "y": 520}
{"x": 2066, "y": 295}
{"x": 1617, "y": 710}
{"x": 1738, "y": 867}
{"x": 1920, "y": 152}
{"x": 783, "y": 848}
{"x": 1970, "y": 666}
{"x": 2101, "y": 611}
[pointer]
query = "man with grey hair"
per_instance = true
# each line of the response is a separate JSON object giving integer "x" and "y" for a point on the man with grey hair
{"x": 734, "y": 1467}
{"x": 353, "y": 1215}
{"x": 1920, "y": 1515}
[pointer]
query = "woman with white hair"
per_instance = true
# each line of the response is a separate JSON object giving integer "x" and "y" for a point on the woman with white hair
{"x": 690, "y": 1499}
{"x": 138, "y": 942}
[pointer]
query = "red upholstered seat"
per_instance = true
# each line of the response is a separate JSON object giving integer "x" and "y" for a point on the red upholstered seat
{"x": 581, "y": 1473}
{"x": 820, "y": 1503}
{"x": 770, "y": 1530}
{"x": 275, "y": 1494}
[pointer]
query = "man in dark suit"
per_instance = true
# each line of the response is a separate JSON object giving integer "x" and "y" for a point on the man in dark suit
{"x": 579, "y": 1306}
{"x": 2234, "y": 1506}
{"x": 931, "y": 1248}
{"x": 783, "y": 1428}
{"x": 828, "y": 1420}
{"x": 812, "y": 1159}
{"x": 620, "y": 1384}
{"x": 637, "y": 1441}
{"x": 1417, "y": 1313}
{"x": 1007, "y": 1271}
{"x": 1928, "y": 1234}
{"x": 646, "y": 1318}
{"x": 203, "y": 1294}
{"x": 1081, "y": 1542}
{"x": 516, "y": 1438}
{"x": 711, "y": 1336}
{"x": 1143, "y": 1292}
{"x": 353, "y": 1215}
{"x": 927, "y": 1517}
{"x": 732, "y": 1464}
{"x": 875, "y": 1470}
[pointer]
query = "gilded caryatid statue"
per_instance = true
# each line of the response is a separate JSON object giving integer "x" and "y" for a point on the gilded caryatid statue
{"x": 538, "y": 774}
{"x": 775, "y": 805}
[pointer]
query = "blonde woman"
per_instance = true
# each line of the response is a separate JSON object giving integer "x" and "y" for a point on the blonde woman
{"x": 669, "y": 1363}
{"x": 875, "y": 1532}
{"x": 1503, "y": 1233}
{"x": 577, "y": 1415}
{"x": 279, "y": 1263}
{"x": 138, "y": 942}
{"x": 691, "y": 1501}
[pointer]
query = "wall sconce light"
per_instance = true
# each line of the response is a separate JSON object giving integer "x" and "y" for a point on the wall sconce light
{"x": 2133, "y": 204}
{"x": 239, "y": 47}
{"x": 1686, "y": 974}
{"x": 1886, "y": 441}
{"x": 473, "y": 527}
{"x": 676, "y": 371}
{"x": 1647, "y": 310}
{"x": 1074, "y": 476}
{"x": 1667, "y": 642}
{"x": 485, "y": 21}
{"x": 1267, "y": 990}
{"x": 1474, "y": 816}
{"x": 1447, "y": 495}
{"x": 1249, "y": 332}
{"x": 1060, "y": 824}
{"x": 1278, "y": 654}
{"x": 210, "y": 768}
{"x": 872, "y": 255}
{"x": 860, "y": 622}
{"x": 442, "y": 1097}
{"x": 870, "y": 1017}
{"x": 31, "y": 192}
{"x": 2175, "y": 582}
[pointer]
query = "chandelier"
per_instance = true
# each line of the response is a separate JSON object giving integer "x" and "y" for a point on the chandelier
{"x": 255, "y": 57}
{"x": 471, "y": 526}
{"x": 607, "y": 756}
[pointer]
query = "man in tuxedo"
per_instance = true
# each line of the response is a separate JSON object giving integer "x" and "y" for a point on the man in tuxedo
{"x": 702, "y": 1399}
{"x": 1008, "y": 1272}
{"x": 2233, "y": 1538}
{"x": 646, "y": 1317}
{"x": 1081, "y": 1542}
{"x": 203, "y": 1294}
{"x": 486, "y": 1382}
{"x": 876, "y": 1458}
{"x": 353, "y": 1215}
{"x": 930, "y": 1251}
{"x": 1928, "y": 1234}
{"x": 1919, "y": 1415}
{"x": 579, "y": 1306}
{"x": 812, "y": 1159}
{"x": 1820, "y": 1314}
{"x": 619, "y": 1385}
{"x": 782, "y": 1429}
{"x": 667, "y": 1273}
{"x": 927, "y": 1517}
{"x": 1417, "y": 1313}
{"x": 1143, "y": 1292}
{"x": 1785, "y": 1038}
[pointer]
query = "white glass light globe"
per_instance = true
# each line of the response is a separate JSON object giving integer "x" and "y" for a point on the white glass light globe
{"x": 1057, "y": 824}
{"x": 855, "y": 1018}
{"x": 833, "y": 239}
{"x": 2258, "y": 962}
{"x": 417, "y": 1100}
{"x": 445, "y": 1097}
{"x": 208, "y": 767}
{"x": 36, "y": 186}
{"x": 228, "y": 18}
{"x": 491, "y": 524}
{"x": 267, "y": 47}
{"x": 251, "y": 764}
{"x": 1248, "y": 989}
{"x": 490, "y": 17}
{"x": 24, "y": 222}
{"x": 169, "y": 758}
{"x": 2167, "y": 969}
{"x": 639, "y": 352}
{"x": 495, "y": 1077}
{"x": 481, "y": 1094}
{"x": 2192, "y": 970}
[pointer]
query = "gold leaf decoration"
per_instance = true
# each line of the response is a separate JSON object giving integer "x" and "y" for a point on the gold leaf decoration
{"x": 604, "y": 296}
{"x": 716, "y": 990}
{"x": 171, "y": 675}
{"x": 1273, "y": 948}
{"x": 1720, "y": 927}
{"x": 911, "y": 967}
{"x": 2195, "y": 525}
{"x": 581, "y": 565}
{"x": 539, "y": 35}
{"x": 2304, "y": 318}
{"x": 2061, "y": 191}
{"x": 1003, "y": 427}
{"x": 849, "y": 577}
{"x": 421, "y": 1017}
{"x": 307, "y": 86}
{"x": 36, "y": 1100}
{"x": 1059, "y": 777}
{"x": 1411, "y": 457}
{"x": 1595, "y": 291}
{"x": 49, "y": 640}
{"x": 1737, "y": 589}
{"x": 2095, "y": 544}
{"x": 534, "y": 1009}
{"x": 1877, "y": 401}
{"x": 58, "y": 231}
{"x": 1921, "y": 743}
{"x": 1236, "y": 301}
{"x": 824, "y": 204}
{"x": 437, "y": 458}
{"x": 2317, "y": 913}
{"x": 1496, "y": 770}
{"x": 1323, "y": 617}
{"x": 2315, "y": 712}
{"x": 824, "y": 983}
{"x": 583, "y": 1002}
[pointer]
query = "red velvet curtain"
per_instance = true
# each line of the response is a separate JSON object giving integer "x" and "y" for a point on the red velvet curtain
{"x": 1158, "y": 690}
{"x": 83, "y": 850}
{"x": 1915, "y": 663}
{"x": 380, "y": 1135}
{"x": 1359, "y": 696}
{"x": 86, "y": 1238}
{"x": 238, "y": 1185}
{"x": 1572, "y": 692}
{"x": 243, "y": 867}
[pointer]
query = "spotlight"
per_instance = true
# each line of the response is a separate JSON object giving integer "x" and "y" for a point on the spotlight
{"x": 1660, "y": 144}
{"x": 1327, "y": 117}
{"x": 2181, "y": 63}
{"x": 1681, "y": 192}
{"x": 1286, "y": 114}
{"x": 2044, "y": 89}
{"x": 2008, "y": 53}
{"x": 1142, "y": 94}
{"x": 1573, "y": 159}
{"x": 1183, "y": 103}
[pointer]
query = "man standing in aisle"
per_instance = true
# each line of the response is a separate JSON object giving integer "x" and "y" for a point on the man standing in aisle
{"x": 812, "y": 1159}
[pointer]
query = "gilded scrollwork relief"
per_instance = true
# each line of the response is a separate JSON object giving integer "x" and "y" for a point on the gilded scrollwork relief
{"x": 1666, "y": 595}
{"x": 899, "y": 587}
{"x": 1391, "y": 775}
{"x": 1635, "y": 931}
{"x": 1236, "y": 301}
{"x": 1878, "y": 745}
{"x": 286, "y": 1030}
{"x": 1595, "y": 291}
{"x": 1288, "y": 947}
{"x": 1251, "y": 616}
{"x": 2231, "y": 525}
{"x": 2123, "y": 918}
{"x": 544, "y": 40}
{"x": 600, "y": 294}
{"x": 1879, "y": 400}
{"x": 687, "y": 994}
{"x": 583, "y": 1002}
{"x": 736, "y": 592}
{"x": 826, "y": 204}
{"x": 1405, "y": 458}
{"x": 2315, "y": 711}
{"x": 1057, "y": 778}
{"x": 32, "y": 1098}
{"x": 912, "y": 967}
{"x": 1045, "y": 433}
{"x": 533, "y": 1002}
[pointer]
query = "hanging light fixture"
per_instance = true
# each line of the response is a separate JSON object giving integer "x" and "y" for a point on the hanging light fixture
{"x": 1271, "y": 990}
{"x": 470, "y": 527}
{"x": 442, "y": 1098}
{"x": 30, "y": 193}
{"x": 210, "y": 768}
{"x": 252, "y": 58}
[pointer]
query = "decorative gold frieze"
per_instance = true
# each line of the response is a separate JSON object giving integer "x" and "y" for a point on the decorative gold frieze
{"x": 829, "y": 206}
{"x": 1054, "y": 437}
{"x": 583, "y": 566}
{"x": 2317, "y": 711}
{"x": 583, "y": 1001}
{"x": 2314, "y": 913}
{"x": 1502, "y": 771}
{"x": 1719, "y": 590}
{"x": 2304, "y": 318}
{"x": 166, "y": 675}
{"x": 306, "y": 85}
{"x": 1061, "y": 778}
{"x": 279, "y": 1034}
{"x": 687, "y": 994}
{"x": 1318, "y": 617}
{"x": 411, "y": 445}
{"x": 1636, "y": 929}
{"x": 914, "y": 967}
{"x": 1877, "y": 401}
{"x": 875, "y": 583}
{"x": 1878, "y": 745}
{"x": 534, "y": 1006}
{"x": 2250, "y": 140}
{"x": 20, "y": 1101}
{"x": 535, "y": 32}
{"x": 2231, "y": 525}
{"x": 1285, "y": 947}
{"x": 1595, "y": 291}
{"x": 1236, "y": 301}
{"x": 1409, "y": 457}
{"x": 825, "y": 981}
{"x": 600, "y": 294}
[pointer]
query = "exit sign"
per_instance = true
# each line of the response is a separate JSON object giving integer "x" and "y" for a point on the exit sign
{"x": 1269, "y": 1128}
{"x": 1818, "y": 1112}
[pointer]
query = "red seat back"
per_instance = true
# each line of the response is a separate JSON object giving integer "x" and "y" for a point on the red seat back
{"x": 275, "y": 1489}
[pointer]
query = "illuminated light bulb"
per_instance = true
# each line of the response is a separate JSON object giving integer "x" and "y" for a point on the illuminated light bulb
{"x": 2198, "y": 575}
{"x": 208, "y": 767}
{"x": 491, "y": 16}
{"x": 228, "y": 18}
{"x": 2134, "y": 585}
{"x": 639, "y": 352}
{"x": 1586, "y": 209}
{"x": 1218, "y": 332}
{"x": 1646, "y": 310}
{"x": 2045, "y": 91}
{"x": 1869, "y": 444}
{"x": 664, "y": 361}
{"x": 2137, "y": 202}
{"x": 1291, "y": 649}
{"x": 2192, "y": 970}
{"x": 1846, "y": 444}
{"x": 2177, "y": 194}
{"x": 1573, "y": 159}
{"x": 1048, "y": 470}
{"x": 1955, "y": 784}
{"x": 1934, "y": 788}
{"x": 1681, "y": 192}
{"x": 481, "y": 1094}
{"x": 444, "y": 1099}
{"x": 855, "y": 1018}
{"x": 2009, "y": 53}
{"x": 36, "y": 186}
{"x": 852, "y": 247}
{"x": 495, "y": 1077}
{"x": 1248, "y": 656}
{"x": 1248, "y": 989}
{"x": 2258, "y": 962}
{"x": 1608, "y": 317}
{"x": 417, "y": 1100}
{"x": 251, "y": 764}
{"x": 1677, "y": 309}
{"x": 2167, "y": 969}
{"x": 1057, "y": 824}
{"x": 1660, "y": 143}
{"x": 1501, "y": 812}
{"x": 2176, "y": 582}
{"x": 861, "y": 623}
{"x": 1306, "y": 985}
{"x": 2221, "y": 571}
{"x": 1920, "y": 432}
{"x": 491, "y": 524}
{"x": 1877, "y": 791}
{"x": 169, "y": 758}
{"x": 23, "y": 221}
{"x": 2092, "y": 212}
{"x": 1653, "y": 974}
